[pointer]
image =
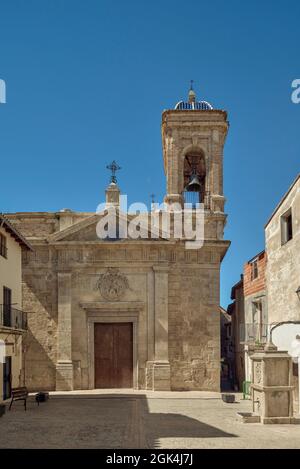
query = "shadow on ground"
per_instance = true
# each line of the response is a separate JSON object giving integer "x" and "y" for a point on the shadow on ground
{"x": 94, "y": 421}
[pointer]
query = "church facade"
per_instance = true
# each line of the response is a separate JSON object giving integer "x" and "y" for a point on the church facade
{"x": 131, "y": 313}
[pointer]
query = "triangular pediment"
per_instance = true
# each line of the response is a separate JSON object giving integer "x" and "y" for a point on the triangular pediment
{"x": 86, "y": 230}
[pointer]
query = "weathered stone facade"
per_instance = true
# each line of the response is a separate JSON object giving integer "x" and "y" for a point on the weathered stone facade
{"x": 283, "y": 272}
{"x": 283, "y": 265}
{"x": 169, "y": 293}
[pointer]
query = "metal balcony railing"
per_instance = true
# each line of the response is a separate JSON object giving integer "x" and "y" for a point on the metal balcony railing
{"x": 254, "y": 333}
{"x": 194, "y": 198}
{"x": 13, "y": 317}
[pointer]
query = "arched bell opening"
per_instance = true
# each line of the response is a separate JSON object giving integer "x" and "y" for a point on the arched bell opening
{"x": 194, "y": 178}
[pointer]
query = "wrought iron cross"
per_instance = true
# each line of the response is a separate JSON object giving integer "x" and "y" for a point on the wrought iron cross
{"x": 113, "y": 167}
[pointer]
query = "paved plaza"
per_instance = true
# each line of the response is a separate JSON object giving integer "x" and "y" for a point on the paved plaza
{"x": 137, "y": 419}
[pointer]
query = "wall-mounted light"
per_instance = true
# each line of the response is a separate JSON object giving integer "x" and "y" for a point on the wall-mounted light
{"x": 298, "y": 292}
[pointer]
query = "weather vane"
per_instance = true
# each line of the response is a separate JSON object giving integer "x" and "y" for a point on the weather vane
{"x": 113, "y": 167}
{"x": 192, "y": 82}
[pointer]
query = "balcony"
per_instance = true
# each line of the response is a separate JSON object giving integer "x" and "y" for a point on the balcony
{"x": 13, "y": 318}
{"x": 254, "y": 333}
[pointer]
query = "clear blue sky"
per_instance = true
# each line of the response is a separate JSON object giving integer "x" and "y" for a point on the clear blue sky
{"x": 87, "y": 82}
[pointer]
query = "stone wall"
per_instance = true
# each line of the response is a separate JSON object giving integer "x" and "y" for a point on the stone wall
{"x": 194, "y": 325}
{"x": 40, "y": 342}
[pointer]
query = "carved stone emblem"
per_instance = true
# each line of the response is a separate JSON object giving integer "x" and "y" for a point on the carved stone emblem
{"x": 112, "y": 284}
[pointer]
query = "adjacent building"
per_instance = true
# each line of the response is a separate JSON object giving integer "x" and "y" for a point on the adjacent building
{"x": 268, "y": 305}
{"x": 237, "y": 312}
{"x": 13, "y": 320}
{"x": 249, "y": 316}
{"x": 282, "y": 234}
{"x": 254, "y": 332}
{"x": 227, "y": 351}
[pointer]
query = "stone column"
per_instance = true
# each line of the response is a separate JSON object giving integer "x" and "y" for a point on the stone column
{"x": 64, "y": 365}
{"x": 161, "y": 365}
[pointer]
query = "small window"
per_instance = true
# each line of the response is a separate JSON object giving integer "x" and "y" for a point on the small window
{"x": 3, "y": 247}
{"x": 286, "y": 227}
{"x": 254, "y": 269}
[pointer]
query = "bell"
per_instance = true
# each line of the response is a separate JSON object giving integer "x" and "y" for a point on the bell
{"x": 194, "y": 184}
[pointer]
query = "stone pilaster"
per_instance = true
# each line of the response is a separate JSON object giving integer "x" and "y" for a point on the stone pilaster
{"x": 64, "y": 365}
{"x": 161, "y": 365}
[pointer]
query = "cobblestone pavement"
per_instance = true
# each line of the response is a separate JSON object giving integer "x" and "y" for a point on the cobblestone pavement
{"x": 139, "y": 420}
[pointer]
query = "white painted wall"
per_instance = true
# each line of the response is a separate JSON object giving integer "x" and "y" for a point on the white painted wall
{"x": 11, "y": 277}
{"x": 283, "y": 336}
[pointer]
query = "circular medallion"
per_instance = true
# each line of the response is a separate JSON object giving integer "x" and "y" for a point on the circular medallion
{"x": 112, "y": 284}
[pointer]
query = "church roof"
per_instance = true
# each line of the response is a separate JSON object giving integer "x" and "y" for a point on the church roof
{"x": 9, "y": 228}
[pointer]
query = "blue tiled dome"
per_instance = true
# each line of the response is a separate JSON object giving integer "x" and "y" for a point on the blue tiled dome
{"x": 192, "y": 104}
{"x": 198, "y": 105}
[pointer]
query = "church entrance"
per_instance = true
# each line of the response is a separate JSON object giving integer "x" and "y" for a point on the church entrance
{"x": 113, "y": 355}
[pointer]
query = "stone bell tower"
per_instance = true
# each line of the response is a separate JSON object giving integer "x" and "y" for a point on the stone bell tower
{"x": 193, "y": 136}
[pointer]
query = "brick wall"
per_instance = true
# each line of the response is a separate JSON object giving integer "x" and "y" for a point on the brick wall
{"x": 252, "y": 286}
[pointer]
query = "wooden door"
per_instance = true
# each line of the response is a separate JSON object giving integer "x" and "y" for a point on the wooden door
{"x": 113, "y": 355}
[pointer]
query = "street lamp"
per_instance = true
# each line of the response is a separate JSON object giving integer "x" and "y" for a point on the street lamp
{"x": 298, "y": 292}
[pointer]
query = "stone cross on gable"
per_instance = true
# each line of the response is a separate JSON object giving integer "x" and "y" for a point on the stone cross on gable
{"x": 113, "y": 167}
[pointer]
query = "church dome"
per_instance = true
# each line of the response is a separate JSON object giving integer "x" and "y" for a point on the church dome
{"x": 192, "y": 103}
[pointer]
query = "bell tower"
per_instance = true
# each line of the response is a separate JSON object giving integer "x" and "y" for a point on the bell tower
{"x": 193, "y": 137}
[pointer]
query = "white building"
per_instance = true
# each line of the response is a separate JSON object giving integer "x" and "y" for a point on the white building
{"x": 13, "y": 321}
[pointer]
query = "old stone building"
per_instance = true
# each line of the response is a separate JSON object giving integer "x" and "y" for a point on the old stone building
{"x": 282, "y": 233}
{"x": 123, "y": 312}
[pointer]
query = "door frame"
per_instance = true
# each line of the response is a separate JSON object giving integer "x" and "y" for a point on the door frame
{"x": 129, "y": 324}
{"x": 7, "y": 359}
{"x": 111, "y": 317}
